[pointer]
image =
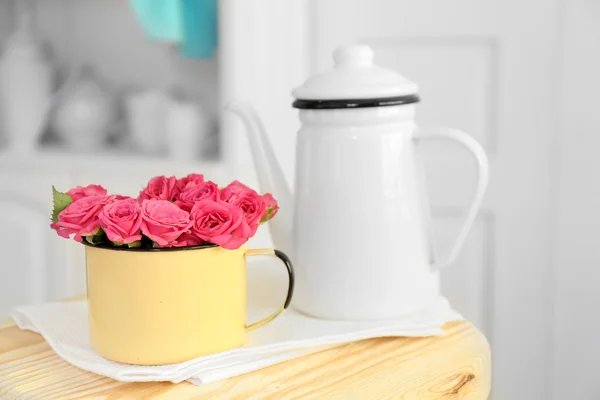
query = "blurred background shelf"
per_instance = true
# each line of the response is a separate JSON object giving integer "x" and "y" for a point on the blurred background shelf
{"x": 109, "y": 82}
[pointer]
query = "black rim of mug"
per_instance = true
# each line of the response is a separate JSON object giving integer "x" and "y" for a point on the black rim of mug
{"x": 150, "y": 249}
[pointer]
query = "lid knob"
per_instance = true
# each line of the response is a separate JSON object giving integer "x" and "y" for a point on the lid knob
{"x": 358, "y": 55}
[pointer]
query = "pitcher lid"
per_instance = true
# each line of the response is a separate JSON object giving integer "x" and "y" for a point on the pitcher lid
{"x": 355, "y": 82}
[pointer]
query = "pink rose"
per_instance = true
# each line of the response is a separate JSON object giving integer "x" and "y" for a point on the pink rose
{"x": 185, "y": 240}
{"x": 252, "y": 206}
{"x": 160, "y": 188}
{"x": 203, "y": 190}
{"x": 232, "y": 190}
{"x": 81, "y": 217}
{"x": 271, "y": 207}
{"x": 220, "y": 223}
{"x": 84, "y": 191}
{"x": 189, "y": 181}
{"x": 121, "y": 221}
{"x": 163, "y": 221}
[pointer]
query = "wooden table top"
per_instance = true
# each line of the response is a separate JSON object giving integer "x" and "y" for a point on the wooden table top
{"x": 454, "y": 366}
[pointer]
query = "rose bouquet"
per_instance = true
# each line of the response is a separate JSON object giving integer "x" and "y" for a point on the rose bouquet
{"x": 168, "y": 212}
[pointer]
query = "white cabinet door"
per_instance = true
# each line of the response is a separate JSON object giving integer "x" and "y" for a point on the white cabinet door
{"x": 25, "y": 244}
{"x": 33, "y": 267}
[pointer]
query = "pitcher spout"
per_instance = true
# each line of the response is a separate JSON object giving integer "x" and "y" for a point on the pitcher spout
{"x": 270, "y": 175}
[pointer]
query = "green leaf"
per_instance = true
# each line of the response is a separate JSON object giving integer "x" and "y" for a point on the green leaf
{"x": 137, "y": 243}
{"x": 154, "y": 244}
{"x": 61, "y": 201}
{"x": 96, "y": 238}
{"x": 92, "y": 240}
{"x": 267, "y": 217}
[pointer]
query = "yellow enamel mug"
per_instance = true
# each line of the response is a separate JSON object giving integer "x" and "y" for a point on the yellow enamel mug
{"x": 163, "y": 306}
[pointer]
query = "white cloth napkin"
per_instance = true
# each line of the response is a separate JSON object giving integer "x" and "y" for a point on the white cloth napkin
{"x": 65, "y": 328}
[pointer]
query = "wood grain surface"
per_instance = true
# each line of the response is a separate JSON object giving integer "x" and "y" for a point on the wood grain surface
{"x": 451, "y": 367}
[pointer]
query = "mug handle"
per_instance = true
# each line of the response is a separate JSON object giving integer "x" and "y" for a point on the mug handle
{"x": 290, "y": 270}
{"x": 454, "y": 135}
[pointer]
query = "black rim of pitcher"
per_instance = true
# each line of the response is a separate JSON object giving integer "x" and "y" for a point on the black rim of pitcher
{"x": 306, "y": 104}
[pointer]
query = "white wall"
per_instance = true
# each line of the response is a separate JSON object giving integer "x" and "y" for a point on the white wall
{"x": 576, "y": 253}
{"x": 264, "y": 55}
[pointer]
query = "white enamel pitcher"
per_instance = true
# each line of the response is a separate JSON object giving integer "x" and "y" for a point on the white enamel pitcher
{"x": 357, "y": 225}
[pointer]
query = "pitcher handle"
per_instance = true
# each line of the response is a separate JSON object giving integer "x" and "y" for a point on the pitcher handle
{"x": 482, "y": 180}
{"x": 288, "y": 299}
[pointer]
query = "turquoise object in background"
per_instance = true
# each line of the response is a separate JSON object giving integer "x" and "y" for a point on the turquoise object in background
{"x": 160, "y": 19}
{"x": 199, "y": 28}
{"x": 191, "y": 24}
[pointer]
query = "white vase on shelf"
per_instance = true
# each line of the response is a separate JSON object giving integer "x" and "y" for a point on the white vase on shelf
{"x": 84, "y": 111}
{"x": 26, "y": 86}
{"x": 186, "y": 131}
{"x": 146, "y": 113}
